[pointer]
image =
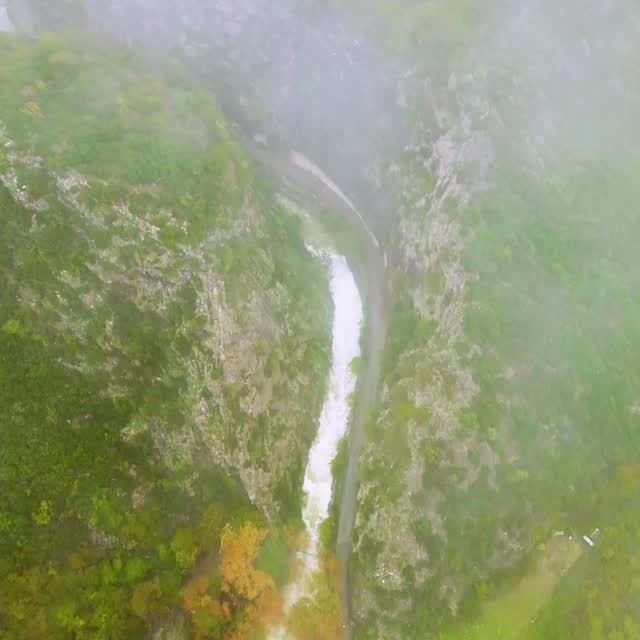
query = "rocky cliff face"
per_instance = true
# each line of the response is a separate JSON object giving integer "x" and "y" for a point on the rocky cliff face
{"x": 136, "y": 286}
{"x": 427, "y": 385}
{"x": 484, "y": 424}
{"x": 163, "y": 336}
{"x": 169, "y": 332}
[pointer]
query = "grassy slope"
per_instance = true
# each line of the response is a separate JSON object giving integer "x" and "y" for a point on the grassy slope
{"x": 515, "y": 607}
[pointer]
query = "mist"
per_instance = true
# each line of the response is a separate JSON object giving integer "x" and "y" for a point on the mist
{"x": 471, "y": 167}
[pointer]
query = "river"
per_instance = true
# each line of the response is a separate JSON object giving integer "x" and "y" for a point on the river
{"x": 334, "y": 419}
{"x": 316, "y": 193}
{"x": 5, "y": 21}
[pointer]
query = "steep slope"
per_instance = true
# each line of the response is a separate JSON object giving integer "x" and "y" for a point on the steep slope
{"x": 163, "y": 349}
{"x": 509, "y": 404}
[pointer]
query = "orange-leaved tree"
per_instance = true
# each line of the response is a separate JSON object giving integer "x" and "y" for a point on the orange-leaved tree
{"x": 246, "y": 587}
{"x": 208, "y": 614}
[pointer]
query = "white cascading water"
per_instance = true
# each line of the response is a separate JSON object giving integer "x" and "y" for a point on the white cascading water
{"x": 5, "y": 22}
{"x": 318, "y": 481}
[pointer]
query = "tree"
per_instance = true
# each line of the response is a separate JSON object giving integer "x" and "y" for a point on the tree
{"x": 207, "y": 613}
{"x": 184, "y": 547}
{"x": 146, "y": 598}
{"x": 42, "y": 517}
{"x": 238, "y": 552}
{"x": 246, "y": 586}
{"x": 210, "y": 526}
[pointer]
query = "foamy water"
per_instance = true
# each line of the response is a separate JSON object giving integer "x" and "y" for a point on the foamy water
{"x": 347, "y": 320}
{"x": 5, "y": 21}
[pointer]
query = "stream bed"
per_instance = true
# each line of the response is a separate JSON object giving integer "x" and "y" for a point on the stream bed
{"x": 5, "y": 22}
{"x": 334, "y": 420}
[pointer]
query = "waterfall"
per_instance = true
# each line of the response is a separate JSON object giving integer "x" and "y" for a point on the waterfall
{"x": 334, "y": 419}
{"x": 5, "y": 21}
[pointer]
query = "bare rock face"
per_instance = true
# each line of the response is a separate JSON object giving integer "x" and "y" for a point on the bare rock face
{"x": 174, "y": 625}
{"x": 248, "y": 353}
{"x": 431, "y": 379}
{"x": 476, "y": 419}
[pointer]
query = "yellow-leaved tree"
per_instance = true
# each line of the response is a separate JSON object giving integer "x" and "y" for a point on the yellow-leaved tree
{"x": 242, "y": 602}
{"x": 244, "y": 585}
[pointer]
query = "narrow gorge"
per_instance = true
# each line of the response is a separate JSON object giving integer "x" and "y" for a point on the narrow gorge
{"x": 319, "y": 320}
{"x": 334, "y": 419}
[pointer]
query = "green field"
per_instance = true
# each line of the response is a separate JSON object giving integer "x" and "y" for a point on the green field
{"x": 509, "y": 613}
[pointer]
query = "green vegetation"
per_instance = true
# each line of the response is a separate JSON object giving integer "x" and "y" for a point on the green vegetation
{"x": 346, "y": 239}
{"x": 558, "y": 324}
{"x": 511, "y": 611}
{"x": 163, "y": 333}
{"x": 125, "y": 202}
{"x": 434, "y": 35}
{"x": 598, "y": 599}
{"x": 492, "y": 433}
